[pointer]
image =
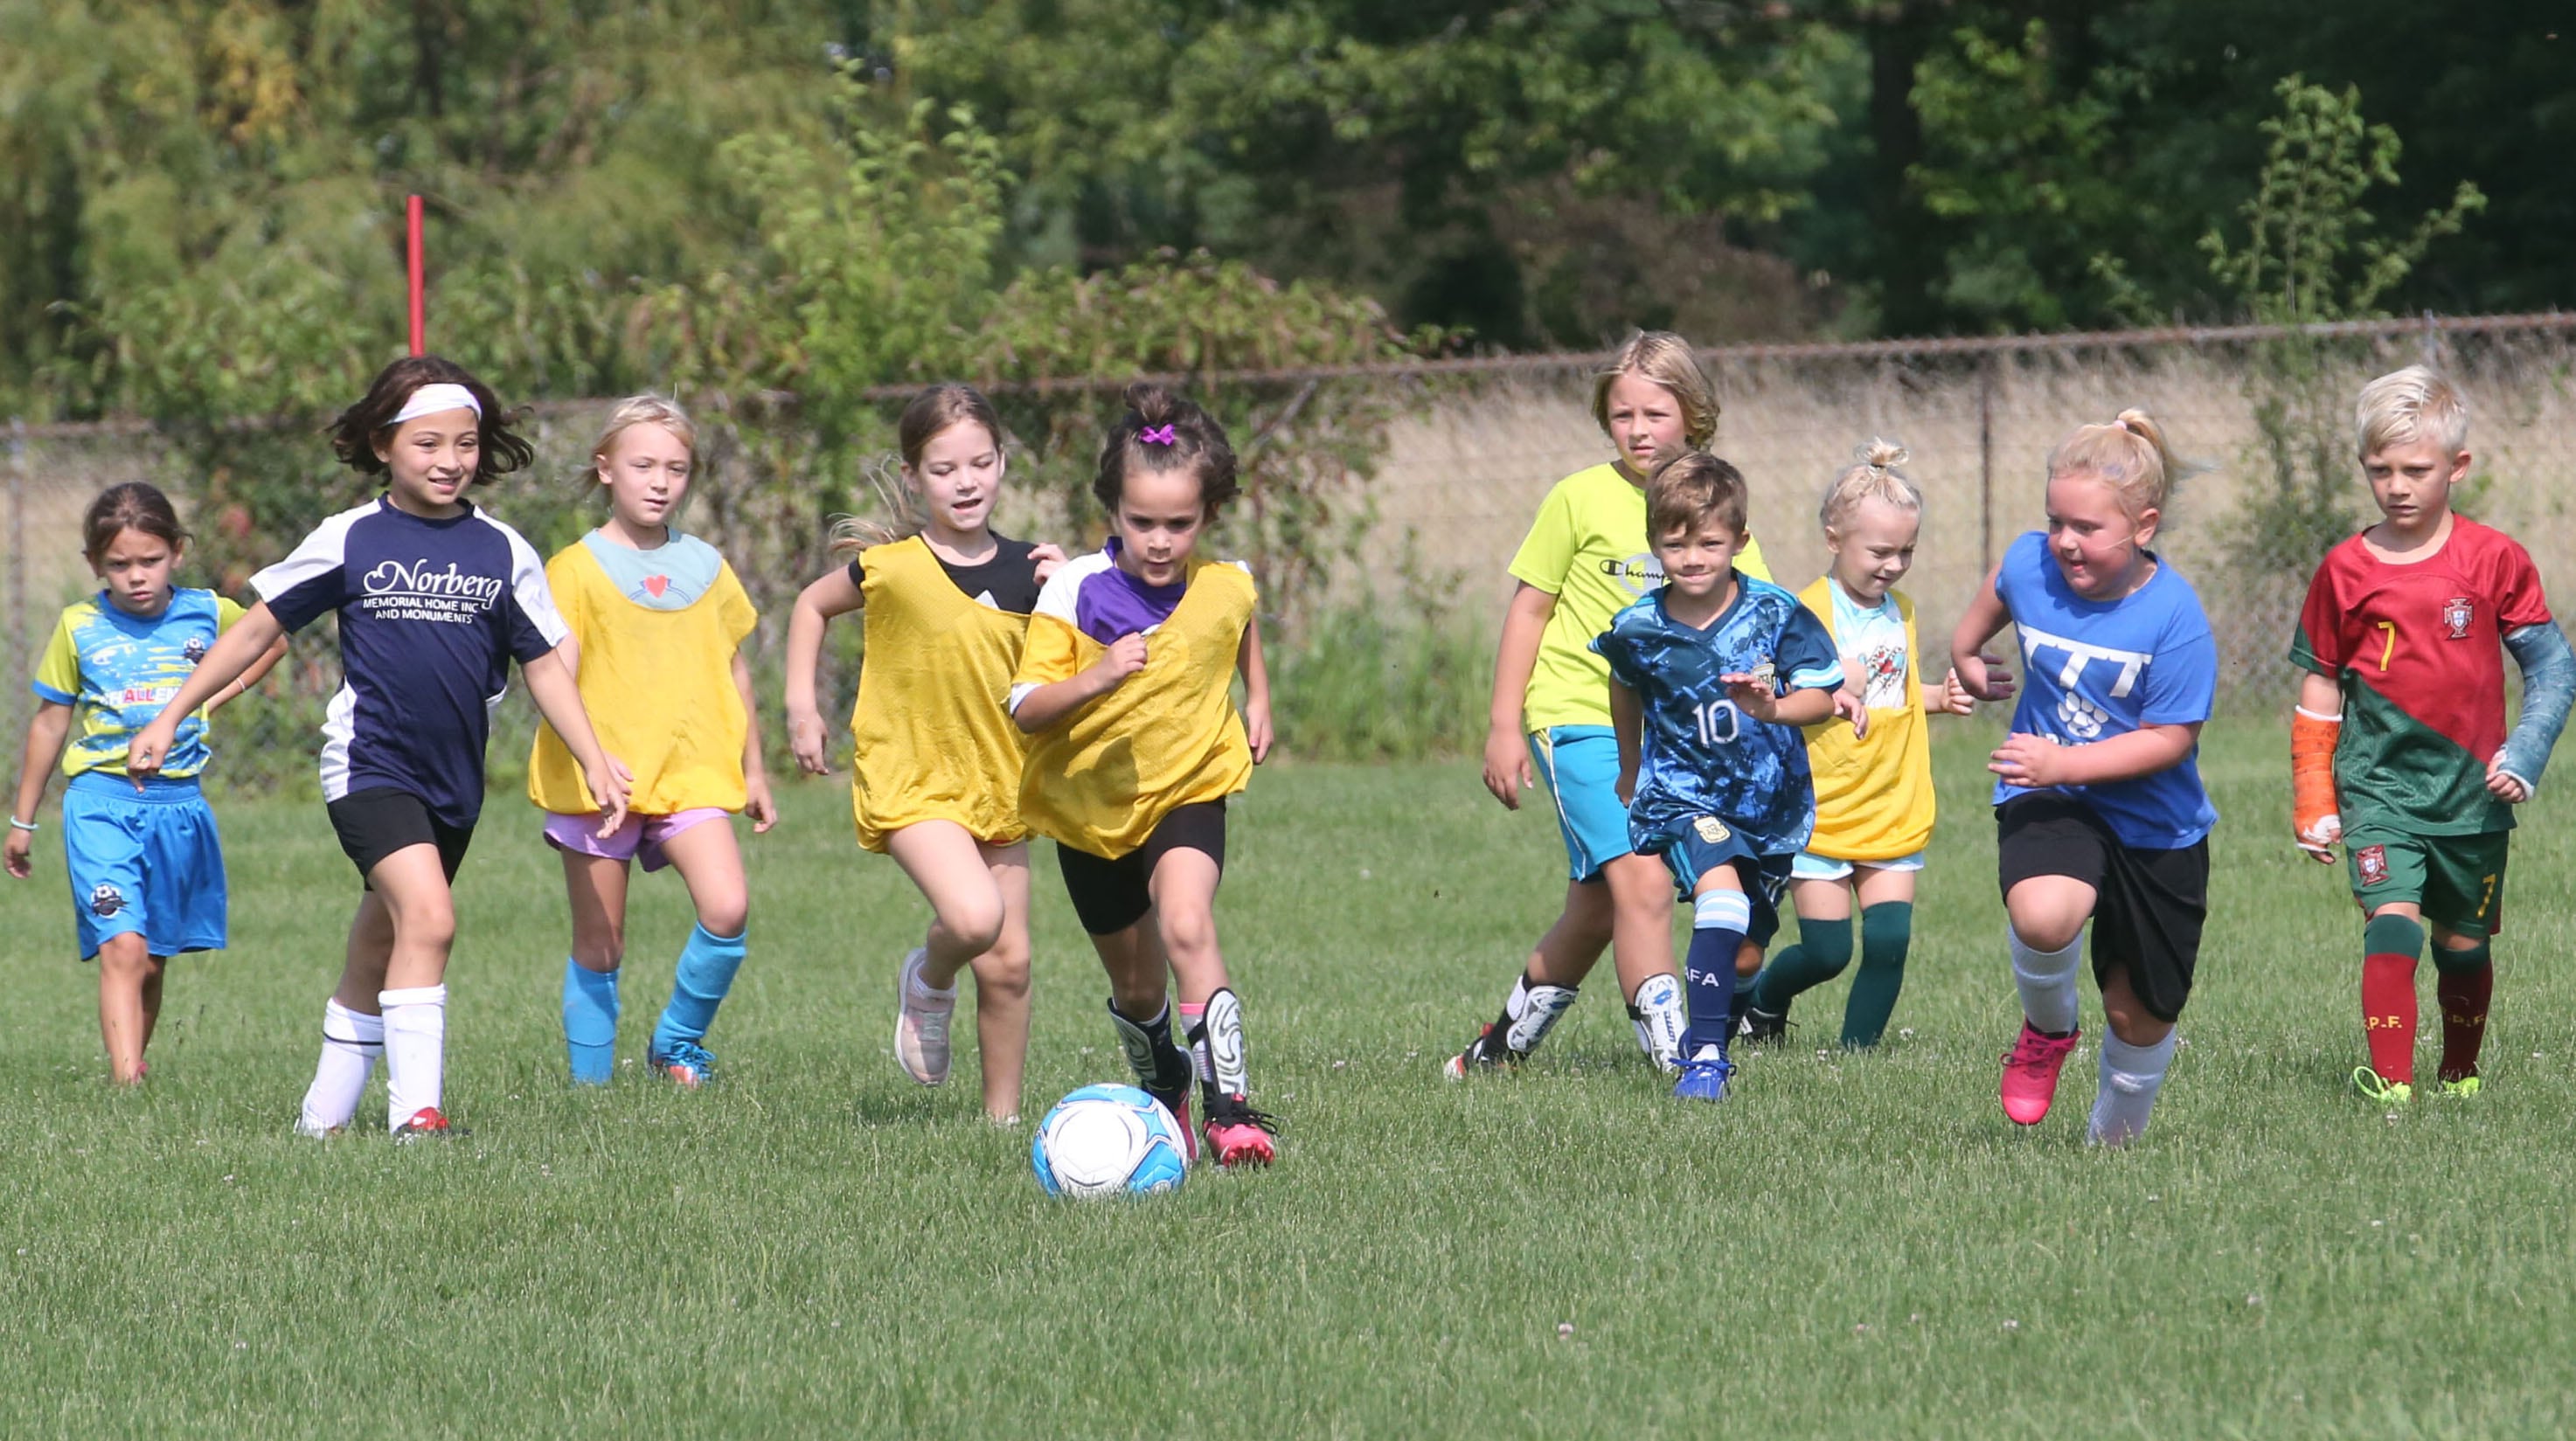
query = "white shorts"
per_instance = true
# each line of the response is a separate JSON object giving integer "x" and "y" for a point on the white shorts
{"x": 1812, "y": 867}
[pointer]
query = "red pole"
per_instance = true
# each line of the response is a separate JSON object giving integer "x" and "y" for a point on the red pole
{"x": 411, "y": 255}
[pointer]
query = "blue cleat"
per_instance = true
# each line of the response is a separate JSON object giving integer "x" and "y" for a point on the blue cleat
{"x": 1704, "y": 1077}
{"x": 688, "y": 1064}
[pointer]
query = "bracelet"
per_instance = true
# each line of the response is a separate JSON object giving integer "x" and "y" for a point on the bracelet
{"x": 16, "y": 824}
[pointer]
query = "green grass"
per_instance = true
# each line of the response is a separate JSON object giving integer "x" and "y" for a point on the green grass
{"x": 1853, "y": 1246}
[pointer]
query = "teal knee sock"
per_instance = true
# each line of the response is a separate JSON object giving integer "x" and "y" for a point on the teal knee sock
{"x": 590, "y": 1022}
{"x": 1823, "y": 949}
{"x": 1886, "y": 930}
{"x": 705, "y": 974}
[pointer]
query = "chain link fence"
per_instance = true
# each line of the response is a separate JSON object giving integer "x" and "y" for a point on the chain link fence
{"x": 1423, "y": 540}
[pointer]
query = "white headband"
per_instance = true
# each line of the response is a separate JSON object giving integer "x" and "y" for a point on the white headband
{"x": 431, "y": 399}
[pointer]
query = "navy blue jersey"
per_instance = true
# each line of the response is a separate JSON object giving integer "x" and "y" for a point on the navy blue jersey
{"x": 431, "y": 614}
{"x": 1701, "y": 755}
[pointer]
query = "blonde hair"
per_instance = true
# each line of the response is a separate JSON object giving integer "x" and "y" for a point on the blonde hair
{"x": 1692, "y": 489}
{"x": 2129, "y": 455}
{"x": 925, "y": 418}
{"x": 2409, "y": 405}
{"x": 645, "y": 409}
{"x": 1665, "y": 359}
{"x": 1875, "y": 477}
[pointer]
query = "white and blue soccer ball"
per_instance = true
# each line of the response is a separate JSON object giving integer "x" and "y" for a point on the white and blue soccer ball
{"x": 1109, "y": 1141}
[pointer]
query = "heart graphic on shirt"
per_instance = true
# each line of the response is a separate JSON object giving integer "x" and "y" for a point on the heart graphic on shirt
{"x": 657, "y": 584}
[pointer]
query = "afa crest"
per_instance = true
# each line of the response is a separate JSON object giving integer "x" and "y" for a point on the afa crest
{"x": 1711, "y": 829}
{"x": 2456, "y": 615}
{"x": 2372, "y": 862}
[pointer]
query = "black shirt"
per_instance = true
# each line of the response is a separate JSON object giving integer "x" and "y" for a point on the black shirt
{"x": 1007, "y": 582}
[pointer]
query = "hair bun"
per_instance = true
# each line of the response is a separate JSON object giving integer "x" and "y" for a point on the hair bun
{"x": 1153, "y": 404}
{"x": 1880, "y": 454}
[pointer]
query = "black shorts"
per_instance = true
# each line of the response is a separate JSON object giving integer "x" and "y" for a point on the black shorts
{"x": 374, "y": 824}
{"x": 1109, "y": 896}
{"x": 2150, "y": 904}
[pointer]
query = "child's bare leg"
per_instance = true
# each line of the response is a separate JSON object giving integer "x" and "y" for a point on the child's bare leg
{"x": 123, "y": 965}
{"x": 967, "y": 913}
{"x": 413, "y": 887}
{"x": 1573, "y": 946}
{"x": 710, "y": 865}
{"x": 966, "y": 906}
{"x": 1002, "y": 985}
{"x": 1183, "y": 887}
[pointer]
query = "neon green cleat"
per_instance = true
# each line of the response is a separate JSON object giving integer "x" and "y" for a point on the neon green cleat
{"x": 2463, "y": 1088}
{"x": 2375, "y": 1087}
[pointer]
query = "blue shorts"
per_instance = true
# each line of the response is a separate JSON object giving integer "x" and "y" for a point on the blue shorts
{"x": 1581, "y": 767}
{"x": 147, "y": 863}
{"x": 1710, "y": 843}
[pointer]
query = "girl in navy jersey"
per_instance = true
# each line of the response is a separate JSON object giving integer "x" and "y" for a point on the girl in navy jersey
{"x": 435, "y": 600}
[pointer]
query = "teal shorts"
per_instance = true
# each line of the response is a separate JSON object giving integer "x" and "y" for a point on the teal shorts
{"x": 1581, "y": 767}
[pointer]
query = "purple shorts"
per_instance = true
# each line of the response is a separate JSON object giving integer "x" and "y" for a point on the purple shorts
{"x": 640, "y": 835}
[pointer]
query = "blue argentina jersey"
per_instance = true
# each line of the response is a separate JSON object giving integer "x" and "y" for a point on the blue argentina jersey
{"x": 2096, "y": 669}
{"x": 431, "y": 614}
{"x": 1701, "y": 755}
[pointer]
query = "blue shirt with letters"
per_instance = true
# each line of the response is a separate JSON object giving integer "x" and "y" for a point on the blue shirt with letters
{"x": 1700, "y": 755}
{"x": 2096, "y": 669}
{"x": 432, "y": 612}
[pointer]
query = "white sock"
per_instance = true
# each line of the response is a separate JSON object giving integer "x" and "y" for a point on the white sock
{"x": 2131, "y": 1076}
{"x": 415, "y": 1050}
{"x": 351, "y": 1042}
{"x": 2047, "y": 982}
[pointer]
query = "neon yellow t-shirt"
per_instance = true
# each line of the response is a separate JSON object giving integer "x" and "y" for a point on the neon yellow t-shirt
{"x": 1102, "y": 778}
{"x": 1873, "y": 792}
{"x": 658, "y": 684}
{"x": 1588, "y": 549}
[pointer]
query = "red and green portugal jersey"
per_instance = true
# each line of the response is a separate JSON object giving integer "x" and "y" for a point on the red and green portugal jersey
{"x": 2418, "y": 652}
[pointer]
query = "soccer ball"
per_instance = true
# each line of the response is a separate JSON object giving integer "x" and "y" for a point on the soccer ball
{"x": 1108, "y": 1141}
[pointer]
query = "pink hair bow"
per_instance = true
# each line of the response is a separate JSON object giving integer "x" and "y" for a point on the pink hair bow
{"x": 1153, "y": 436}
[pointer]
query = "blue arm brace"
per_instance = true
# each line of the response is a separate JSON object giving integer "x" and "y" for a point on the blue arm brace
{"x": 2548, "y": 689}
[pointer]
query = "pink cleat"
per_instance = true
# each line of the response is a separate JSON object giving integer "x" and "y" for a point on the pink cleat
{"x": 1238, "y": 1135}
{"x": 2030, "y": 1074}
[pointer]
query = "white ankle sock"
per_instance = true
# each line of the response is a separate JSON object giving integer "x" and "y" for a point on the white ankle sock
{"x": 2047, "y": 982}
{"x": 2131, "y": 1076}
{"x": 351, "y": 1041}
{"x": 415, "y": 1050}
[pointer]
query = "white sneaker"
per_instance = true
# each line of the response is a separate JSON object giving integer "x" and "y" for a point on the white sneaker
{"x": 921, "y": 1023}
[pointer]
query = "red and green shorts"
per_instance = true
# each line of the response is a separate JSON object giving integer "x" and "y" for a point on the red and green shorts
{"x": 2457, "y": 880}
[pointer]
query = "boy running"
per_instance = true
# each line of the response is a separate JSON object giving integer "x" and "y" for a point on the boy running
{"x": 2398, "y": 747}
{"x": 1710, "y": 678}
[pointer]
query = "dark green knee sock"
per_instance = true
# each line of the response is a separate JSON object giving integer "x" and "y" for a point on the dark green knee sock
{"x": 1886, "y": 930}
{"x": 1823, "y": 949}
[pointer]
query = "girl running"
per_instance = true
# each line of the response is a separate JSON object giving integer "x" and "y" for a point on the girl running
{"x": 145, "y": 862}
{"x": 936, "y": 779}
{"x": 435, "y": 599}
{"x": 2099, "y": 809}
{"x": 1873, "y": 780}
{"x": 657, "y": 622}
{"x": 1585, "y": 559}
{"x": 1125, "y": 685}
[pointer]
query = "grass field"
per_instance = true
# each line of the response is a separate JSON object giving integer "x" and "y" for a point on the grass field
{"x": 1852, "y": 1246}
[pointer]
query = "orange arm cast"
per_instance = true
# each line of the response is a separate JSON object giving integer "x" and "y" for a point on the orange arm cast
{"x": 2315, "y": 813}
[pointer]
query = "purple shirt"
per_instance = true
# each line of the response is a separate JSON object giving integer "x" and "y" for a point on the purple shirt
{"x": 1113, "y": 603}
